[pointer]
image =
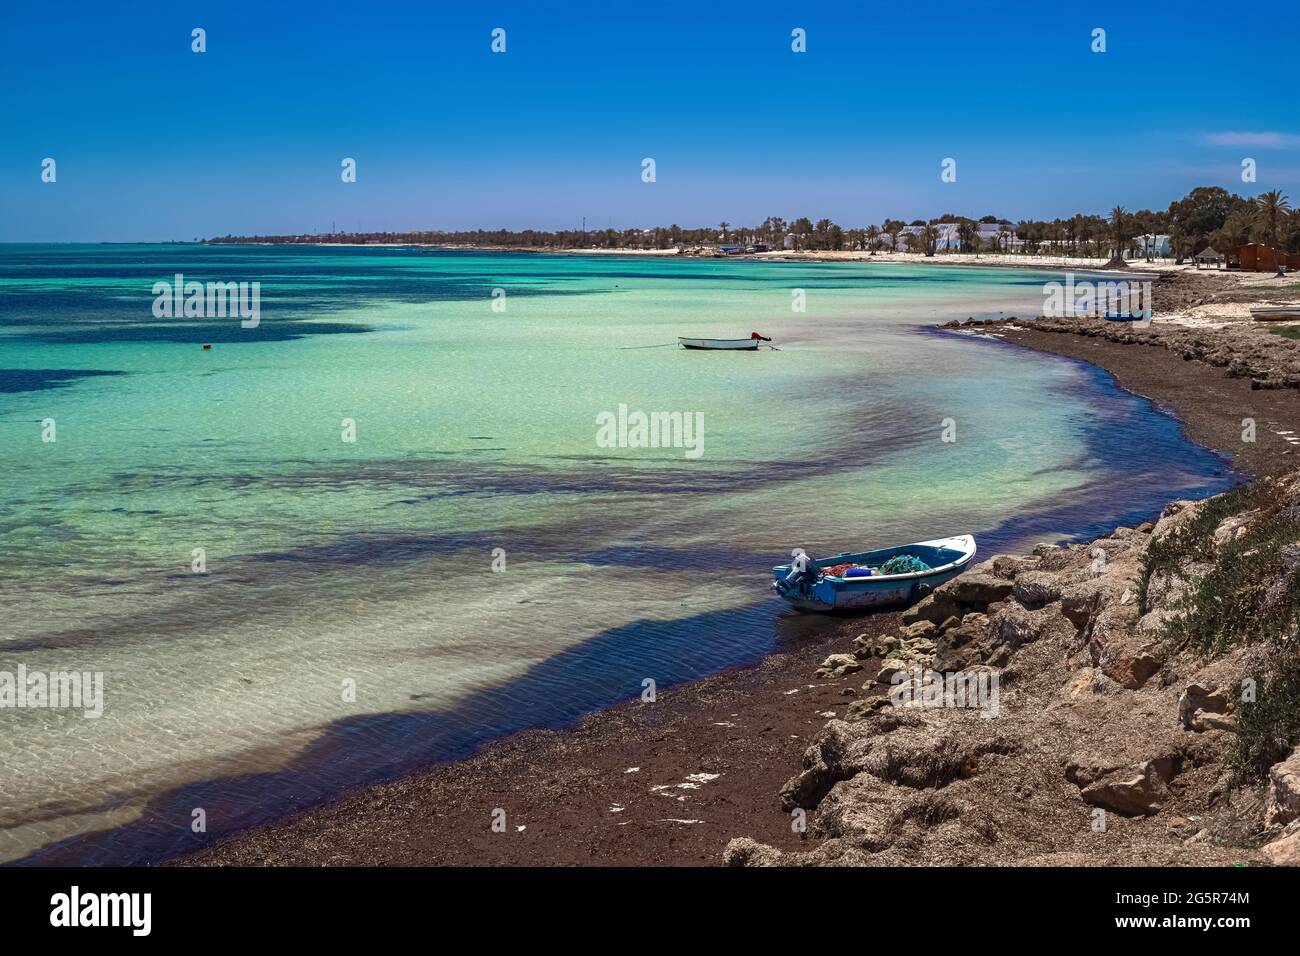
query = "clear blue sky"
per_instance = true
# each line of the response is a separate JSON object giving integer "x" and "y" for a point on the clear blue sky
{"x": 155, "y": 142}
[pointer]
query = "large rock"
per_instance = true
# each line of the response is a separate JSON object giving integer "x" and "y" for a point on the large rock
{"x": 936, "y": 608}
{"x": 873, "y": 815}
{"x": 1283, "y": 852}
{"x": 1036, "y": 588}
{"x": 1009, "y": 566}
{"x": 882, "y": 646}
{"x": 1203, "y": 708}
{"x": 1110, "y": 625}
{"x": 746, "y": 852}
{"x": 837, "y": 665}
{"x": 1128, "y": 661}
{"x": 1232, "y": 528}
{"x": 958, "y": 647}
{"x": 896, "y": 747}
{"x": 1283, "y": 804}
{"x": 1012, "y": 626}
{"x": 1168, "y": 589}
{"x": 976, "y": 589}
{"x": 891, "y": 667}
{"x": 824, "y": 766}
{"x": 1079, "y": 601}
{"x": 920, "y": 629}
{"x": 1129, "y": 791}
{"x": 1155, "y": 624}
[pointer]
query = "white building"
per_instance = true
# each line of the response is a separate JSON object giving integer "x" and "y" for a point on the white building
{"x": 1155, "y": 246}
{"x": 1003, "y": 234}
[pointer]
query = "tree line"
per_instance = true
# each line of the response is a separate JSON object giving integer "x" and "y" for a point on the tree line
{"x": 1208, "y": 216}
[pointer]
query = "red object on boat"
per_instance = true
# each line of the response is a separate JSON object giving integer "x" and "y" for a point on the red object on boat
{"x": 761, "y": 338}
{"x": 837, "y": 571}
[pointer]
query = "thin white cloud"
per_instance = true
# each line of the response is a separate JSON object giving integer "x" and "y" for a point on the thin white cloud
{"x": 1269, "y": 140}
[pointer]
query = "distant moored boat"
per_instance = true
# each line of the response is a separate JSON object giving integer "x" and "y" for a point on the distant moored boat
{"x": 750, "y": 344}
{"x": 1275, "y": 313}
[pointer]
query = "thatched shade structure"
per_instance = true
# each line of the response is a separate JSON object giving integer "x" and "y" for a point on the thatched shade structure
{"x": 1209, "y": 256}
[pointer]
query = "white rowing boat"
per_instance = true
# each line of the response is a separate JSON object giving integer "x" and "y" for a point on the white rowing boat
{"x": 750, "y": 344}
{"x": 1275, "y": 313}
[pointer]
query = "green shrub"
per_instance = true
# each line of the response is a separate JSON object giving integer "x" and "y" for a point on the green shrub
{"x": 1269, "y": 727}
{"x": 1194, "y": 539}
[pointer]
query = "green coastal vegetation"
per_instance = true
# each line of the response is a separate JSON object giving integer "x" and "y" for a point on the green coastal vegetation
{"x": 1249, "y": 595}
{"x": 1208, "y": 216}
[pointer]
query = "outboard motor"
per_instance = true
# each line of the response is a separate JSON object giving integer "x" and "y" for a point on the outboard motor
{"x": 802, "y": 576}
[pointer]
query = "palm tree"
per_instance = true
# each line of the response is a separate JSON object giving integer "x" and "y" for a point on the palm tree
{"x": 801, "y": 228}
{"x": 1235, "y": 230}
{"x": 873, "y": 237}
{"x": 1270, "y": 209}
{"x": 1119, "y": 233}
{"x": 724, "y": 226}
{"x": 892, "y": 228}
{"x": 929, "y": 239}
{"x": 823, "y": 231}
{"x": 968, "y": 234}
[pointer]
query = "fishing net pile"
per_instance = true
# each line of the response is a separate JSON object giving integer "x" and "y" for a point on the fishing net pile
{"x": 898, "y": 564}
{"x": 903, "y": 564}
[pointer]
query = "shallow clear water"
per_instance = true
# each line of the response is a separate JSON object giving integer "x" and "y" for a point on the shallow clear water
{"x": 371, "y": 561}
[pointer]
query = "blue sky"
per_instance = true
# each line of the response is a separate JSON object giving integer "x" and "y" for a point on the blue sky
{"x": 155, "y": 142}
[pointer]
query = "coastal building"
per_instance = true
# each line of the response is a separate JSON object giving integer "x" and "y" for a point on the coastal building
{"x": 947, "y": 241}
{"x": 1150, "y": 246}
{"x": 1257, "y": 257}
{"x": 1000, "y": 235}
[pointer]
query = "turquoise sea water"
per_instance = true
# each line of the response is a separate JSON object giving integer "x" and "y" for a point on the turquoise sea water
{"x": 350, "y": 623}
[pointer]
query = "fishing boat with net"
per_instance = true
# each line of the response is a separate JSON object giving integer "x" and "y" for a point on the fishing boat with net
{"x": 871, "y": 579}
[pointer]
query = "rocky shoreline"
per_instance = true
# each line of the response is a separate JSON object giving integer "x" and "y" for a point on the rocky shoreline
{"x": 1110, "y": 743}
{"x": 1124, "y": 733}
{"x": 1263, "y": 360}
{"x": 1137, "y": 721}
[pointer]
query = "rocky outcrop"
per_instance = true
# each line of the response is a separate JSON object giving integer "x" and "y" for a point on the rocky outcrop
{"x": 1283, "y": 800}
{"x": 837, "y": 665}
{"x": 1129, "y": 791}
{"x": 1036, "y": 588}
{"x": 1083, "y": 726}
{"x": 747, "y": 852}
{"x": 903, "y": 750}
{"x": 1204, "y": 708}
{"x": 1284, "y": 851}
{"x": 978, "y": 588}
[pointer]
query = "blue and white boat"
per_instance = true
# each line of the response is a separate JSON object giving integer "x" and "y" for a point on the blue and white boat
{"x": 806, "y": 585}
